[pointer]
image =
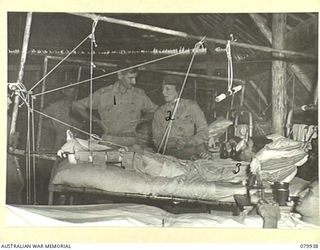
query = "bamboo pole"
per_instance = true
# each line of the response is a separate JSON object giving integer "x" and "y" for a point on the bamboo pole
{"x": 21, "y": 70}
{"x": 261, "y": 22}
{"x": 195, "y": 75}
{"x": 185, "y": 35}
{"x": 259, "y": 91}
{"x": 45, "y": 70}
{"x": 43, "y": 156}
{"x": 78, "y": 80}
{"x": 303, "y": 78}
{"x": 279, "y": 90}
{"x": 80, "y": 61}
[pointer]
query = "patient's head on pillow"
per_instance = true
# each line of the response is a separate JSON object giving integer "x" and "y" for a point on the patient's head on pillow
{"x": 308, "y": 205}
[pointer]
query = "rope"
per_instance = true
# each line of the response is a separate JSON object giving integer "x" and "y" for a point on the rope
{"x": 33, "y": 156}
{"x": 293, "y": 89}
{"x": 230, "y": 68}
{"x": 68, "y": 125}
{"x": 166, "y": 135}
{"x": 75, "y": 128}
{"x": 65, "y": 58}
{"x": 28, "y": 163}
{"x": 93, "y": 42}
{"x": 110, "y": 73}
{"x": 227, "y": 49}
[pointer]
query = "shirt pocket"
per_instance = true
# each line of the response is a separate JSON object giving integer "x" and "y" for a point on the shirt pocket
{"x": 186, "y": 118}
{"x": 107, "y": 102}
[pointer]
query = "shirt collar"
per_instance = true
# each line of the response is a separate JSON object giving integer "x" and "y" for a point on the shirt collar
{"x": 172, "y": 104}
{"x": 120, "y": 90}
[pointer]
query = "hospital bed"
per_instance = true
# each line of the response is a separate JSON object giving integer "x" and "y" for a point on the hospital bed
{"x": 114, "y": 182}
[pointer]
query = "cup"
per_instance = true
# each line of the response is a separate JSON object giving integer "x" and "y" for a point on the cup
{"x": 281, "y": 192}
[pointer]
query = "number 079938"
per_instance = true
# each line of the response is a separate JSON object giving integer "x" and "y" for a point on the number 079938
{"x": 309, "y": 245}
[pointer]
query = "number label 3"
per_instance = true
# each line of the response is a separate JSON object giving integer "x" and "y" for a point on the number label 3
{"x": 237, "y": 170}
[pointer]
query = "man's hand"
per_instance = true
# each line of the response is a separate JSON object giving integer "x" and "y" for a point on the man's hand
{"x": 270, "y": 213}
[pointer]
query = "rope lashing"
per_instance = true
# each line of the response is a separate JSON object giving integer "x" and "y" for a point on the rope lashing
{"x": 164, "y": 141}
{"x": 20, "y": 90}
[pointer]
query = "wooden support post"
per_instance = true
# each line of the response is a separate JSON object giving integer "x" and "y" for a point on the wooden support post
{"x": 21, "y": 70}
{"x": 306, "y": 29}
{"x": 45, "y": 70}
{"x": 279, "y": 90}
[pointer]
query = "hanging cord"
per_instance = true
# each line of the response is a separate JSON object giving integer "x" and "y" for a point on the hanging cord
{"x": 33, "y": 150}
{"x": 165, "y": 138}
{"x": 56, "y": 66}
{"x": 230, "y": 90}
{"x": 259, "y": 106}
{"x": 293, "y": 90}
{"x": 111, "y": 73}
{"x": 230, "y": 68}
{"x": 28, "y": 163}
{"x": 92, "y": 66}
{"x": 66, "y": 124}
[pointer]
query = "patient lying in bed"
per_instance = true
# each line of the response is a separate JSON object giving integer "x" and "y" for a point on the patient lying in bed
{"x": 156, "y": 175}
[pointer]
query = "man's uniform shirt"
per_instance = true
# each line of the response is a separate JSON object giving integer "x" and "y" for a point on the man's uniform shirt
{"x": 120, "y": 112}
{"x": 189, "y": 122}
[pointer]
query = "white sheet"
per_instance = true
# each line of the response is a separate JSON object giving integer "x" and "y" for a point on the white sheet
{"x": 132, "y": 215}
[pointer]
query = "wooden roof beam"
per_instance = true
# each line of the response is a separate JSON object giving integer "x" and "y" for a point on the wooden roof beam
{"x": 191, "y": 36}
{"x": 261, "y": 23}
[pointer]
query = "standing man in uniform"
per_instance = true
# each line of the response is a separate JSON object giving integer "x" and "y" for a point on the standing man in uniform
{"x": 189, "y": 130}
{"x": 119, "y": 106}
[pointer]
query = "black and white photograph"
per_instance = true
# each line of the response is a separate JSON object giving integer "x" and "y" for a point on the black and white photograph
{"x": 165, "y": 120}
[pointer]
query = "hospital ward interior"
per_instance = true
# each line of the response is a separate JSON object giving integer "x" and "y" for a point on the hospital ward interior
{"x": 162, "y": 120}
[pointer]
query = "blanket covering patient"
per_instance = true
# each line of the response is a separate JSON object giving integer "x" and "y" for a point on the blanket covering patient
{"x": 156, "y": 174}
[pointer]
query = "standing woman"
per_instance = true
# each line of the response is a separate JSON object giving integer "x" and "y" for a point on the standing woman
{"x": 189, "y": 131}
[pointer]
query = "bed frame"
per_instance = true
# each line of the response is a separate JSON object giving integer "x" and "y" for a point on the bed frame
{"x": 230, "y": 206}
